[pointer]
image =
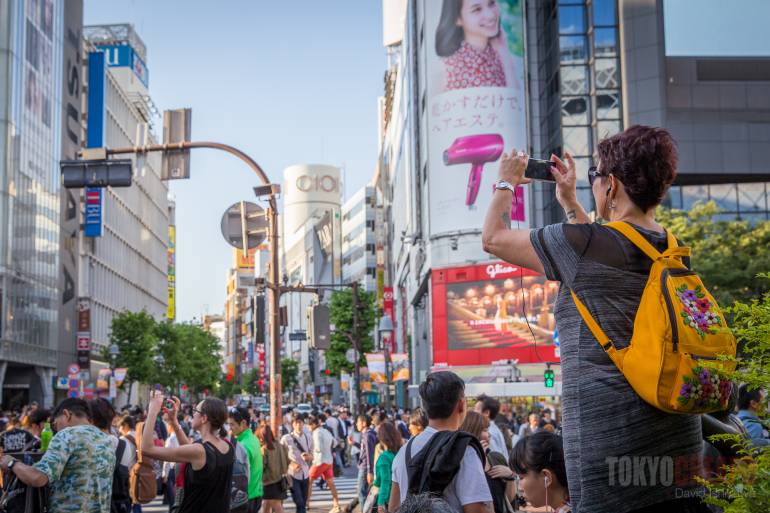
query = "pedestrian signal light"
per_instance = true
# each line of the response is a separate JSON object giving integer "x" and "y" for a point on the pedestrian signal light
{"x": 548, "y": 377}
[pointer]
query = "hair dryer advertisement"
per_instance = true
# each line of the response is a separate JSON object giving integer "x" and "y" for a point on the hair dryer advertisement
{"x": 477, "y": 107}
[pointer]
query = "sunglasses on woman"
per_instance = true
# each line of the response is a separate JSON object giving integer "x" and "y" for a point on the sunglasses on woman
{"x": 593, "y": 173}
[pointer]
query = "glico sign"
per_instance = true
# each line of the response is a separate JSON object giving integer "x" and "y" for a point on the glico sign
{"x": 494, "y": 311}
{"x": 317, "y": 183}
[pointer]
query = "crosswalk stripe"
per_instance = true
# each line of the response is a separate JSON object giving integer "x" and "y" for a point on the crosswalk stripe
{"x": 346, "y": 489}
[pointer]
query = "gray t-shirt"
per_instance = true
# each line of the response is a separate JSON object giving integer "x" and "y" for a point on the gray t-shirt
{"x": 621, "y": 453}
{"x": 469, "y": 485}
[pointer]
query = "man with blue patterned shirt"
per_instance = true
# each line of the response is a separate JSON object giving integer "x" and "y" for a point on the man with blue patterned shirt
{"x": 77, "y": 466}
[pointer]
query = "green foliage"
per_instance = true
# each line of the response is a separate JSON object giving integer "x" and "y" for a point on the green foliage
{"x": 251, "y": 382}
{"x": 728, "y": 255}
{"x": 227, "y": 389}
{"x": 341, "y": 316}
{"x": 289, "y": 374}
{"x": 190, "y": 354}
{"x": 200, "y": 363}
{"x": 745, "y": 487}
{"x": 134, "y": 334}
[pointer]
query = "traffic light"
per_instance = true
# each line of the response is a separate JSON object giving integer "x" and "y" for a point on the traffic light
{"x": 327, "y": 372}
{"x": 96, "y": 173}
{"x": 548, "y": 377}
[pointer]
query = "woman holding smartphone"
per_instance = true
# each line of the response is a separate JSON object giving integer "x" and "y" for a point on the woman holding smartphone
{"x": 604, "y": 419}
{"x": 209, "y": 468}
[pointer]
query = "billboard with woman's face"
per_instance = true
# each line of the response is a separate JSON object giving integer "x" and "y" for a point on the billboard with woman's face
{"x": 476, "y": 106}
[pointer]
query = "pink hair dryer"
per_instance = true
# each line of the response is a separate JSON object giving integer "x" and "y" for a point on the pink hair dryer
{"x": 475, "y": 150}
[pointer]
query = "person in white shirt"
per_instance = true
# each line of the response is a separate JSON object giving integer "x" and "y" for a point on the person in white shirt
{"x": 490, "y": 407}
{"x": 335, "y": 425}
{"x": 300, "y": 446}
{"x": 128, "y": 433}
{"x": 443, "y": 398}
{"x": 323, "y": 441}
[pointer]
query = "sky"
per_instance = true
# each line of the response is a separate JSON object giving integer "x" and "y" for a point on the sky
{"x": 286, "y": 82}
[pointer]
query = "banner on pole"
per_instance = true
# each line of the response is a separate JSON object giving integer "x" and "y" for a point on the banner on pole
{"x": 400, "y": 366}
{"x": 376, "y": 364}
{"x": 120, "y": 376}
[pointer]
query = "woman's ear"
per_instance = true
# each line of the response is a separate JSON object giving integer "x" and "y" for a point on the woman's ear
{"x": 548, "y": 478}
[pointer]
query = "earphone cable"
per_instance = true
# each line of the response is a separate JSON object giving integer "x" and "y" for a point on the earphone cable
{"x": 521, "y": 286}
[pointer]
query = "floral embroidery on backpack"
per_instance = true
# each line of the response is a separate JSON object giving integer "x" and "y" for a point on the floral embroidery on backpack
{"x": 697, "y": 312}
{"x": 707, "y": 388}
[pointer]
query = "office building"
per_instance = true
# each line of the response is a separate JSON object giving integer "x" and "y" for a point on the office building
{"x": 215, "y": 324}
{"x": 359, "y": 253}
{"x": 33, "y": 105}
{"x": 124, "y": 250}
{"x": 240, "y": 314}
{"x": 311, "y": 249}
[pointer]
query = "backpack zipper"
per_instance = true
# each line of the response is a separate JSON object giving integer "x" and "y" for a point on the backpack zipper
{"x": 669, "y": 304}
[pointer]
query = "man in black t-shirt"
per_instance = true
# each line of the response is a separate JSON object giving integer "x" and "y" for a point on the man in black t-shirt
{"x": 16, "y": 439}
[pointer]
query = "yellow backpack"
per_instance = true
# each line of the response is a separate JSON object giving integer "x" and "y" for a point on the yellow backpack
{"x": 679, "y": 333}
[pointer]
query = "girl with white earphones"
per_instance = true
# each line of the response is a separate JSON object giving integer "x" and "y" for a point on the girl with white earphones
{"x": 538, "y": 460}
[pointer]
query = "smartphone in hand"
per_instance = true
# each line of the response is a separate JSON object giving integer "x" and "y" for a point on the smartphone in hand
{"x": 538, "y": 169}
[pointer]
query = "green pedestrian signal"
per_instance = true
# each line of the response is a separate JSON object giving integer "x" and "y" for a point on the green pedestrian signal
{"x": 548, "y": 377}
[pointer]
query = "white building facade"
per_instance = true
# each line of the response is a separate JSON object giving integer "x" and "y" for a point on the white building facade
{"x": 126, "y": 268}
{"x": 359, "y": 241}
{"x": 311, "y": 254}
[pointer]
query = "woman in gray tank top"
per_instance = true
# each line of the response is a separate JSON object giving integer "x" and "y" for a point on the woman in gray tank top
{"x": 622, "y": 455}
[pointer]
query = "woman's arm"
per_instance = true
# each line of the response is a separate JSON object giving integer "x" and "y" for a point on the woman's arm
{"x": 194, "y": 454}
{"x": 565, "y": 176}
{"x": 498, "y": 238}
{"x": 181, "y": 437}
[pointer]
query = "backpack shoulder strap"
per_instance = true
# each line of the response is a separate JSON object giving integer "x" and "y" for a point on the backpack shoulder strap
{"x": 598, "y": 333}
{"x": 637, "y": 240}
{"x": 119, "y": 452}
{"x": 138, "y": 441}
{"x": 408, "y": 452}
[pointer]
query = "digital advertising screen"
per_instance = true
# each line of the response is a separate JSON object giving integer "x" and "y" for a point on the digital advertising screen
{"x": 491, "y": 312}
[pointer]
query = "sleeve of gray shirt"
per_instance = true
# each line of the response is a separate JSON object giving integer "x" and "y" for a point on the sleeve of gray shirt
{"x": 560, "y": 261}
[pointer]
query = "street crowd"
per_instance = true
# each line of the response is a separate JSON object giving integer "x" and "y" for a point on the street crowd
{"x": 85, "y": 456}
{"x": 210, "y": 457}
{"x": 614, "y": 451}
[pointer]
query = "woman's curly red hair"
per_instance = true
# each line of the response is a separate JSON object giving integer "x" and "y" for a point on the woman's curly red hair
{"x": 644, "y": 159}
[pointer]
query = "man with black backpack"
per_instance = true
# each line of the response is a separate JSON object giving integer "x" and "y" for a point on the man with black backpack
{"x": 442, "y": 460}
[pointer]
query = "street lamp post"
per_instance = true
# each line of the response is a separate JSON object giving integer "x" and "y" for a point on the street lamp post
{"x": 114, "y": 352}
{"x": 385, "y": 330}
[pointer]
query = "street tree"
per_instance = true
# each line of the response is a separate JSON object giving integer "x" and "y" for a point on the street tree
{"x": 289, "y": 374}
{"x": 135, "y": 335}
{"x": 251, "y": 382}
{"x": 341, "y": 316}
{"x": 199, "y": 362}
{"x": 727, "y": 254}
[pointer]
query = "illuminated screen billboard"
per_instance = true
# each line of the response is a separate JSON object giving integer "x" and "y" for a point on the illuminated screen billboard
{"x": 476, "y": 106}
{"x": 493, "y": 311}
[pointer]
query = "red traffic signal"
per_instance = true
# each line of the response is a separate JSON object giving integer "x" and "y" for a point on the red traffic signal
{"x": 260, "y": 382}
{"x": 328, "y": 372}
